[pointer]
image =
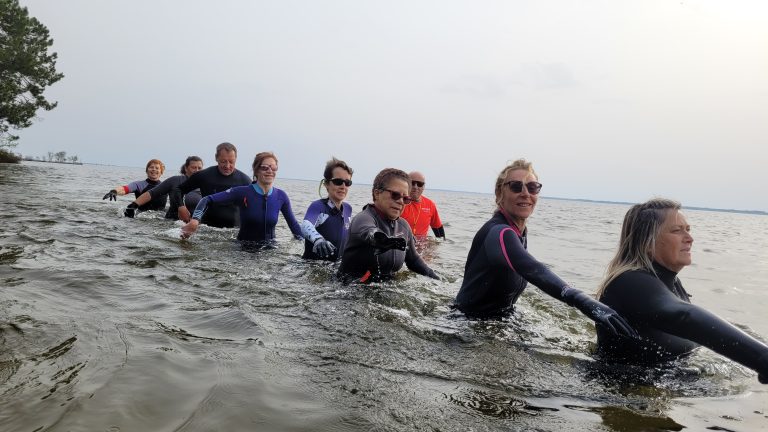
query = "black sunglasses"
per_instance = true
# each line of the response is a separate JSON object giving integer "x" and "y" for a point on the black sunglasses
{"x": 339, "y": 181}
{"x": 516, "y": 186}
{"x": 397, "y": 196}
{"x": 417, "y": 183}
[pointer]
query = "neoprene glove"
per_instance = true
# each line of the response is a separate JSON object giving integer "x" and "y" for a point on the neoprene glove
{"x": 111, "y": 195}
{"x": 383, "y": 242}
{"x": 599, "y": 313}
{"x": 323, "y": 248}
{"x": 130, "y": 211}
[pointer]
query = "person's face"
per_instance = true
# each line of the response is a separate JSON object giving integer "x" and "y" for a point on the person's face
{"x": 519, "y": 205}
{"x": 154, "y": 171}
{"x": 417, "y": 186}
{"x": 338, "y": 193}
{"x": 193, "y": 167}
{"x": 266, "y": 171}
{"x": 673, "y": 246}
{"x": 383, "y": 201}
{"x": 226, "y": 162}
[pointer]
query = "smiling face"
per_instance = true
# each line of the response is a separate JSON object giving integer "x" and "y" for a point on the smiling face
{"x": 337, "y": 194}
{"x": 266, "y": 172}
{"x": 193, "y": 167}
{"x": 225, "y": 160}
{"x": 673, "y": 245}
{"x": 518, "y": 205}
{"x": 154, "y": 171}
{"x": 382, "y": 199}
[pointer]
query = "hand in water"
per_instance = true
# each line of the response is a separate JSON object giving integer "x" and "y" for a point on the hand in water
{"x": 324, "y": 248}
{"x": 111, "y": 195}
{"x": 130, "y": 211}
{"x": 189, "y": 229}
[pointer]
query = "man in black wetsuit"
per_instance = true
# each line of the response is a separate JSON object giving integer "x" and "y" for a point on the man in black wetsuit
{"x": 211, "y": 180}
{"x": 642, "y": 285}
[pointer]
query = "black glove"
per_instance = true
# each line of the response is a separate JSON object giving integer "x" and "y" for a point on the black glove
{"x": 130, "y": 211}
{"x": 763, "y": 378}
{"x": 323, "y": 248}
{"x": 383, "y": 242}
{"x": 599, "y": 313}
{"x": 111, "y": 195}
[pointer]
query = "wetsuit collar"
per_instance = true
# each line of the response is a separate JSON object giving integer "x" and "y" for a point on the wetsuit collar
{"x": 666, "y": 275}
{"x": 259, "y": 191}
{"x": 510, "y": 222}
{"x": 152, "y": 182}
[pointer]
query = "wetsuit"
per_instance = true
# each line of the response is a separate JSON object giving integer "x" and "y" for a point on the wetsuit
{"x": 139, "y": 187}
{"x": 258, "y": 212}
{"x": 499, "y": 268}
{"x": 167, "y": 186}
{"x": 363, "y": 262}
{"x": 210, "y": 181}
{"x": 421, "y": 215}
{"x": 669, "y": 325}
{"x": 324, "y": 219}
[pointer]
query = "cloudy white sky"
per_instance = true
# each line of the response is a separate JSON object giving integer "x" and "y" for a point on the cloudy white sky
{"x": 616, "y": 100}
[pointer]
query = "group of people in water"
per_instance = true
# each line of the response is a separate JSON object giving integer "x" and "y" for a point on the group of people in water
{"x": 642, "y": 312}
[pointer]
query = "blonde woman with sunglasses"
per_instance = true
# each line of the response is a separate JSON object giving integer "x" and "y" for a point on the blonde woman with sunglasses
{"x": 499, "y": 266}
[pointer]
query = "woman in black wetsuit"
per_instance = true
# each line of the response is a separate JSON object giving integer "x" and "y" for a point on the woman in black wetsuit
{"x": 641, "y": 284}
{"x": 499, "y": 267}
{"x": 154, "y": 170}
{"x": 192, "y": 165}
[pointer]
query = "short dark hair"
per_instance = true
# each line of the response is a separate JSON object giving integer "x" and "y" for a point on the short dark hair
{"x": 332, "y": 165}
{"x": 189, "y": 160}
{"x": 386, "y": 175}
{"x": 225, "y": 146}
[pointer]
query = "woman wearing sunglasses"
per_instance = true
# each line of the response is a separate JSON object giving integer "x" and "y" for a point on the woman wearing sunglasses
{"x": 641, "y": 283}
{"x": 499, "y": 267}
{"x": 325, "y": 227}
{"x": 260, "y": 204}
{"x": 379, "y": 240}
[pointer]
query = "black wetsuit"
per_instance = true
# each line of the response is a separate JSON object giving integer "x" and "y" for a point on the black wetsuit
{"x": 211, "y": 181}
{"x": 361, "y": 260}
{"x": 669, "y": 325}
{"x": 499, "y": 268}
{"x": 140, "y": 186}
{"x": 167, "y": 187}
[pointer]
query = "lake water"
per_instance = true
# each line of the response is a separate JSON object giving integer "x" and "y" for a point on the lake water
{"x": 114, "y": 324}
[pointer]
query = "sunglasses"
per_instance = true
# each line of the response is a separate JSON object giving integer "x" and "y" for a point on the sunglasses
{"x": 266, "y": 168}
{"x": 339, "y": 181}
{"x": 397, "y": 196}
{"x": 417, "y": 183}
{"x": 516, "y": 186}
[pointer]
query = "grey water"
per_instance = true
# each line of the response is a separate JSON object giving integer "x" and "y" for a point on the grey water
{"x": 115, "y": 324}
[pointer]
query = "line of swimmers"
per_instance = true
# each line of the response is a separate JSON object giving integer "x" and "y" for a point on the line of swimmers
{"x": 643, "y": 315}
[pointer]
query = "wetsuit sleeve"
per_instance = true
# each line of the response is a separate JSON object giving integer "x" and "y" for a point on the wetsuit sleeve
{"x": 188, "y": 185}
{"x": 310, "y": 222}
{"x": 435, "y": 222}
{"x": 163, "y": 188}
{"x": 413, "y": 260}
{"x": 290, "y": 218}
{"x": 228, "y": 196}
{"x": 439, "y": 232}
{"x": 653, "y": 304}
{"x": 133, "y": 187}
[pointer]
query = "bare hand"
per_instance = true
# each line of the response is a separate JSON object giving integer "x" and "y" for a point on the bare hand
{"x": 189, "y": 229}
{"x": 184, "y": 214}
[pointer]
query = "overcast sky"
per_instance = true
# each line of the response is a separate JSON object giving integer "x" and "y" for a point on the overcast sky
{"x": 618, "y": 100}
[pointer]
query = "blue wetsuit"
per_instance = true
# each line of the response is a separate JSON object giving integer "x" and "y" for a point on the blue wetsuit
{"x": 323, "y": 219}
{"x": 670, "y": 326}
{"x": 140, "y": 186}
{"x": 499, "y": 268}
{"x": 258, "y": 212}
{"x": 210, "y": 181}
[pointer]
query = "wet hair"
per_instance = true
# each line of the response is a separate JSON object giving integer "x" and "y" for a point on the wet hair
{"x": 260, "y": 158}
{"x": 520, "y": 164}
{"x": 642, "y": 226}
{"x": 225, "y": 146}
{"x": 189, "y": 160}
{"x": 385, "y": 176}
{"x": 155, "y": 161}
{"x": 332, "y": 165}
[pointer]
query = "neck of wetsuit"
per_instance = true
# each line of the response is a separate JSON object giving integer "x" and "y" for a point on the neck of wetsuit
{"x": 511, "y": 222}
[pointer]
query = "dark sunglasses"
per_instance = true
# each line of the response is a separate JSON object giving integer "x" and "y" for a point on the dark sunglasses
{"x": 397, "y": 196}
{"x": 339, "y": 181}
{"x": 516, "y": 186}
{"x": 417, "y": 183}
{"x": 266, "y": 168}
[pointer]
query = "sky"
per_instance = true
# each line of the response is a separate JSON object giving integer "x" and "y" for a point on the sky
{"x": 616, "y": 100}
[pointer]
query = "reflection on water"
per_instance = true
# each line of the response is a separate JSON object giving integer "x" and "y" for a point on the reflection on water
{"x": 109, "y": 323}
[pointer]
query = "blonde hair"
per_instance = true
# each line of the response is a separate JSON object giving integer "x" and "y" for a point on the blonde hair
{"x": 520, "y": 164}
{"x": 642, "y": 225}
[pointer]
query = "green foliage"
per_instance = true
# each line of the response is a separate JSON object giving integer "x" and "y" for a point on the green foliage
{"x": 26, "y": 69}
{"x": 8, "y": 157}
